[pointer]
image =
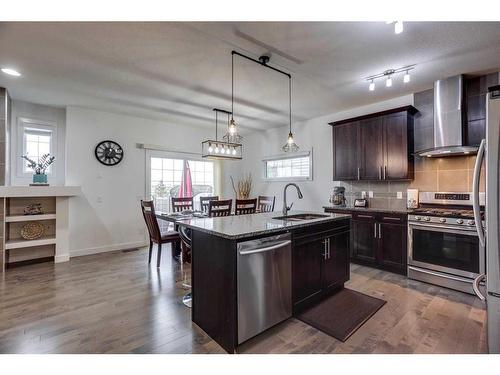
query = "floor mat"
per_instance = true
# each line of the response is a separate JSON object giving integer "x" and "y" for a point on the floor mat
{"x": 341, "y": 314}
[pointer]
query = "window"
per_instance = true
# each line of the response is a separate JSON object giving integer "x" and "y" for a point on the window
{"x": 37, "y": 142}
{"x": 166, "y": 175}
{"x": 288, "y": 167}
{"x": 35, "y": 138}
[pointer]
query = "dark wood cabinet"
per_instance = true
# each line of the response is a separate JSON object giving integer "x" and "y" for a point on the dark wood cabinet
{"x": 398, "y": 143}
{"x": 345, "y": 161}
{"x": 378, "y": 239}
{"x": 374, "y": 147}
{"x": 307, "y": 257}
{"x": 320, "y": 264}
{"x": 336, "y": 265}
{"x": 364, "y": 240}
{"x": 392, "y": 246}
{"x": 371, "y": 143}
{"x": 476, "y": 89}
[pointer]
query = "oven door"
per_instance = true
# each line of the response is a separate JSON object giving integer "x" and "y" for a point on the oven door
{"x": 445, "y": 249}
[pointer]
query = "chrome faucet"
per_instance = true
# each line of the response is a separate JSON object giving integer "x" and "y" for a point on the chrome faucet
{"x": 285, "y": 207}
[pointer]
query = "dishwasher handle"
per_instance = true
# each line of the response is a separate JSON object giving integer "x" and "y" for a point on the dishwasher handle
{"x": 264, "y": 249}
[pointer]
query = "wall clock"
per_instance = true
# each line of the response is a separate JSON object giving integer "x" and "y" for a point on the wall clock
{"x": 109, "y": 153}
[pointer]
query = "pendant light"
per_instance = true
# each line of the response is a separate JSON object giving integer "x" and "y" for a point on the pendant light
{"x": 232, "y": 135}
{"x": 290, "y": 145}
{"x": 263, "y": 60}
{"x": 216, "y": 149}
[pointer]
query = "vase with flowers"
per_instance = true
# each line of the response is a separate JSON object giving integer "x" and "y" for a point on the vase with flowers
{"x": 39, "y": 167}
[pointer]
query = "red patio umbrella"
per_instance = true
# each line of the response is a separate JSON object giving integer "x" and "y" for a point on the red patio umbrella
{"x": 186, "y": 188}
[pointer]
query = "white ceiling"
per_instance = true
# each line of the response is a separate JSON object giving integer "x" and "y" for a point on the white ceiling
{"x": 178, "y": 72}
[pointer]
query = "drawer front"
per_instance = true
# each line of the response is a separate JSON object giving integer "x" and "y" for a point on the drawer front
{"x": 393, "y": 218}
{"x": 388, "y": 217}
{"x": 364, "y": 216}
{"x": 320, "y": 230}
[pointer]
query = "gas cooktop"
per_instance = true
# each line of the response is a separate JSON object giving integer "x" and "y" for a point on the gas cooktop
{"x": 444, "y": 212}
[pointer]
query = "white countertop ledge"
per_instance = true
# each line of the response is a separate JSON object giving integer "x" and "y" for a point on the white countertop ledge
{"x": 39, "y": 191}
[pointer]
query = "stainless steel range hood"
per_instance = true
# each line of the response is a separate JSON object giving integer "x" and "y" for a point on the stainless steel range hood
{"x": 448, "y": 119}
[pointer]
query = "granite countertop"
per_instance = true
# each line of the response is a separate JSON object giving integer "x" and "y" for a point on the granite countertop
{"x": 371, "y": 209}
{"x": 244, "y": 226}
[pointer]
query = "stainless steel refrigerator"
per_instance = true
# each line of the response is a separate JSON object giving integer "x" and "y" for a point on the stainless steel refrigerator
{"x": 489, "y": 152}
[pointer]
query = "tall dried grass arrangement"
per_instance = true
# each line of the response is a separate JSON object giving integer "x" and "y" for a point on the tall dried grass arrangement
{"x": 244, "y": 187}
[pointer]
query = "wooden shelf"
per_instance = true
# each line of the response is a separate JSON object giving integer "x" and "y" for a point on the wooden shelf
{"x": 19, "y": 218}
{"x": 20, "y": 243}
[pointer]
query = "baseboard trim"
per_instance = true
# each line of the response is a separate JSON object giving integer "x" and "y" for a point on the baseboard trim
{"x": 61, "y": 258}
{"x": 105, "y": 249}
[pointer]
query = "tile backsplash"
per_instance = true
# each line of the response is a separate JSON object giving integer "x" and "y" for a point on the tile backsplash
{"x": 431, "y": 174}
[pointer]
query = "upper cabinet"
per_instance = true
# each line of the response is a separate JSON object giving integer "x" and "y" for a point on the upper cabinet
{"x": 345, "y": 153}
{"x": 476, "y": 89}
{"x": 374, "y": 147}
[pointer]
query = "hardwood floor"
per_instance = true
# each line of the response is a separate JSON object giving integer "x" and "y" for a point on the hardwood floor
{"x": 114, "y": 303}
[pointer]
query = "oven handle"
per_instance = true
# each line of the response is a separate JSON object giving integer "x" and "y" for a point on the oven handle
{"x": 463, "y": 230}
{"x": 475, "y": 192}
{"x": 475, "y": 287}
{"x": 455, "y": 278}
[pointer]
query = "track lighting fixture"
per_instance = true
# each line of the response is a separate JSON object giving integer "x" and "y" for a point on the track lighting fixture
{"x": 388, "y": 76}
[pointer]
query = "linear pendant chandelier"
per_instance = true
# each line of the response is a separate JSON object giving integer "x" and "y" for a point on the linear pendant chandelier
{"x": 221, "y": 149}
{"x": 290, "y": 145}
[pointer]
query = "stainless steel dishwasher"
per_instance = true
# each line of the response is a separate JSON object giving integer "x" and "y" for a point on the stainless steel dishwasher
{"x": 264, "y": 284}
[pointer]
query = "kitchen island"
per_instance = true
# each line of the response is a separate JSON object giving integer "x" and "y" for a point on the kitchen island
{"x": 251, "y": 272}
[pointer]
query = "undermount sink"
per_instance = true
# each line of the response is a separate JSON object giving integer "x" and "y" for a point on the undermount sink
{"x": 300, "y": 217}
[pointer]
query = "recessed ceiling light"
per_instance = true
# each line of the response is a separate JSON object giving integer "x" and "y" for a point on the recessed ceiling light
{"x": 11, "y": 72}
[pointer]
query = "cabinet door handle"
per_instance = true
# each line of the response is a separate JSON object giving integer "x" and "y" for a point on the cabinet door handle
{"x": 375, "y": 230}
{"x": 391, "y": 218}
{"x": 380, "y": 231}
{"x": 358, "y": 173}
{"x": 380, "y": 173}
{"x": 385, "y": 171}
{"x": 325, "y": 243}
{"x": 366, "y": 216}
{"x": 329, "y": 254}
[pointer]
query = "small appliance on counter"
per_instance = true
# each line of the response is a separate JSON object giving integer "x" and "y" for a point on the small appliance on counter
{"x": 361, "y": 202}
{"x": 412, "y": 201}
{"x": 338, "y": 196}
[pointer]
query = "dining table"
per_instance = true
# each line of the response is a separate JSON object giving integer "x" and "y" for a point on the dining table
{"x": 175, "y": 218}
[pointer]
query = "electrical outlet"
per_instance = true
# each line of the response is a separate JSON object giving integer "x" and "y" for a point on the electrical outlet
{"x": 370, "y": 194}
{"x": 400, "y": 195}
{"x": 99, "y": 199}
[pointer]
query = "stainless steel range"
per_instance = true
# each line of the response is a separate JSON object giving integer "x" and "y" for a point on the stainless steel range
{"x": 443, "y": 244}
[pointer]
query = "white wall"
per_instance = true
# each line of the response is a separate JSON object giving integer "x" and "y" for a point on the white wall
{"x": 107, "y": 216}
{"x": 312, "y": 134}
{"x": 21, "y": 109}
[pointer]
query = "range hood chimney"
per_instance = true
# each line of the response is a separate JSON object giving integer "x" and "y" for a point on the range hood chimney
{"x": 448, "y": 119}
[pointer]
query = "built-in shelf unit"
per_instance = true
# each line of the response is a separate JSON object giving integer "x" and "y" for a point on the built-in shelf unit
{"x": 53, "y": 244}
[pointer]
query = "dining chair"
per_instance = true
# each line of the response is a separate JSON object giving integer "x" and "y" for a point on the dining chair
{"x": 182, "y": 204}
{"x": 245, "y": 206}
{"x": 204, "y": 202}
{"x": 266, "y": 203}
{"x": 220, "y": 207}
{"x": 155, "y": 235}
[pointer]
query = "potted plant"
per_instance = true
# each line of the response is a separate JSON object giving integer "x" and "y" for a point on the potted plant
{"x": 39, "y": 168}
